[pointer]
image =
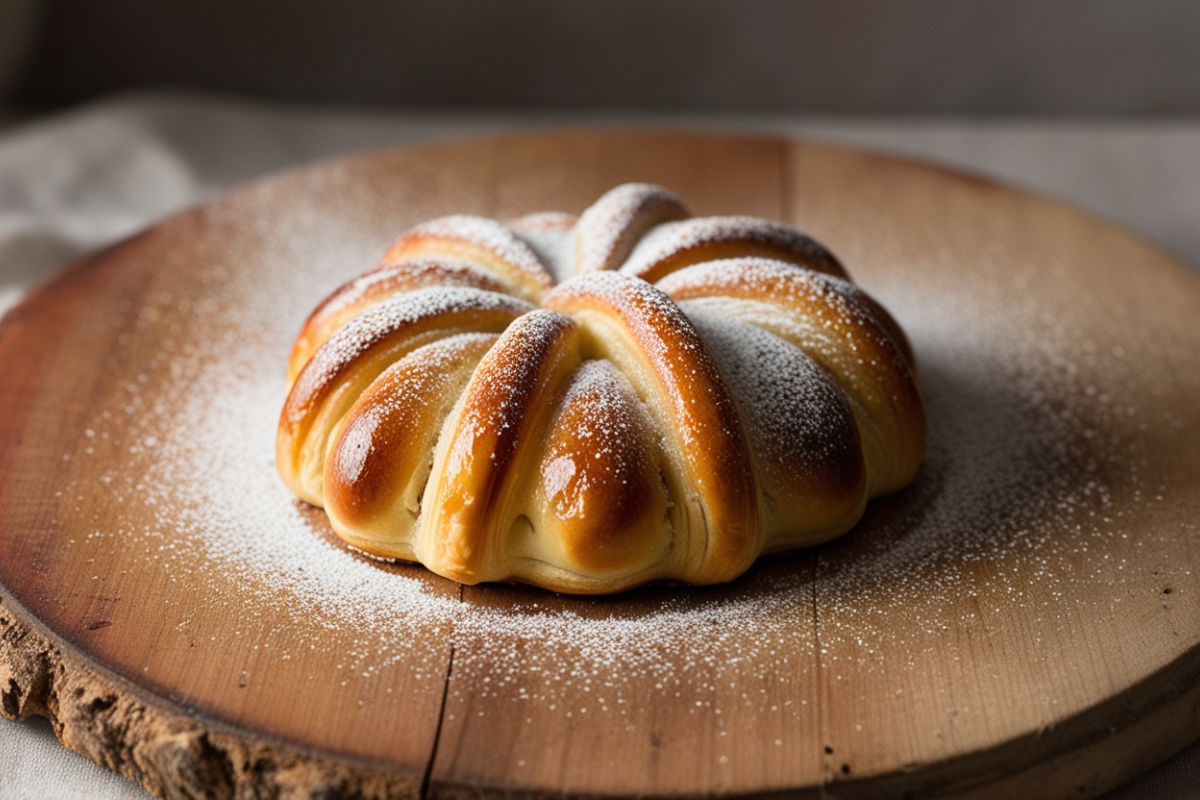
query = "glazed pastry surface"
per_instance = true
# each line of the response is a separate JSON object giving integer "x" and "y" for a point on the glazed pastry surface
{"x": 589, "y": 404}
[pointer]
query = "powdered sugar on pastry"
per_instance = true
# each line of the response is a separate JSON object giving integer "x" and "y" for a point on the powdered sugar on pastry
{"x": 830, "y": 343}
{"x": 674, "y": 245}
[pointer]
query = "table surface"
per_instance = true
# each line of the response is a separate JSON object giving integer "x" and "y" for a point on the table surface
{"x": 73, "y": 182}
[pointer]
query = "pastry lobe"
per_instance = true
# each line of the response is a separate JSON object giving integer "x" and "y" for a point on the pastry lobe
{"x": 591, "y": 403}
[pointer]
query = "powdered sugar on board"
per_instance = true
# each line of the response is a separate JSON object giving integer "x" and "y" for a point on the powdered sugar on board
{"x": 1015, "y": 492}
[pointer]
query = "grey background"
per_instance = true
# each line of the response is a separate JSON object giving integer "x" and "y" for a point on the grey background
{"x": 956, "y": 57}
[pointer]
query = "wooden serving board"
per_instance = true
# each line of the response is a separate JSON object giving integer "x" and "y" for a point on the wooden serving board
{"x": 1024, "y": 619}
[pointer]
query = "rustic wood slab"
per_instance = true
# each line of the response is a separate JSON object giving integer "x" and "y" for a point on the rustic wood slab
{"x": 1025, "y": 618}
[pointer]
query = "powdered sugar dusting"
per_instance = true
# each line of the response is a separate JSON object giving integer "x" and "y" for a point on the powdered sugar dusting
{"x": 510, "y": 377}
{"x": 410, "y": 275}
{"x": 220, "y": 506}
{"x": 796, "y": 411}
{"x": 551, "y": 235}
{"x": 1017, "y": 491}
{"x": 833, "y": 318}
{"x": 388, "y": 317}
{"x": 611, "y": 226}
{"x": 672, "y": 239}
{"x": 672, "y": 346}
{"x": 489, "y": 234}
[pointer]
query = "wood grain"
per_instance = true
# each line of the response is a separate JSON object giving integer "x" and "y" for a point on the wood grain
{"x": 1023, "y": 619}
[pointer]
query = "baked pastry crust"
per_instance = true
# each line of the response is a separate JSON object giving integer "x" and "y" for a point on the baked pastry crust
{"x": 691, "y": 393}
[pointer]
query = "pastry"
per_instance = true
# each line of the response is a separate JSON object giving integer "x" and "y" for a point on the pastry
{"x": 589, "y": 404}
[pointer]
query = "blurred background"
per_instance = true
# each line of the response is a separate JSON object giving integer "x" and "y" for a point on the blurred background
{"x": 115, "y": 112}
{"x": 862, "y": 57}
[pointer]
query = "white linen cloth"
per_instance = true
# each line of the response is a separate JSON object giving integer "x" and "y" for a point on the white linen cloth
{"x": 76, "y": 181}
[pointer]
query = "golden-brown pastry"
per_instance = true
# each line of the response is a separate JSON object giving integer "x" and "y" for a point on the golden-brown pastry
{"x": 587, "y": 404}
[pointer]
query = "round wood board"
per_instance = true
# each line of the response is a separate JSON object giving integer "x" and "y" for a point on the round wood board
{"x": 1024, "y": 618}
